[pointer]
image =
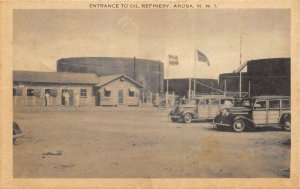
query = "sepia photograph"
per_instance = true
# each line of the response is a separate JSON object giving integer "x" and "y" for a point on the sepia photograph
{"x": 151, "y": 90}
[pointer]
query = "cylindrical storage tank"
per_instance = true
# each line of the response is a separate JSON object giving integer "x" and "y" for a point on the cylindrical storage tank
{"x": 270, "y": 76}
{"x": 149, "y": 73}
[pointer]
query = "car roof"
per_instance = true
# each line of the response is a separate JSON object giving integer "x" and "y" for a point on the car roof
{"x": 270, "y": 97}
{"x": 212, "y": 96}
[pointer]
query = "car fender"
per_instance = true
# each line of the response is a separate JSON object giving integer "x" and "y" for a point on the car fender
{"x": 188, "y": 112}
{"x": 285, "y": 116}
{"x": 244, "y": 118}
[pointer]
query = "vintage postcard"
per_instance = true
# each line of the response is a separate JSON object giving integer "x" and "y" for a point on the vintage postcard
{"x": 149, "y": 94}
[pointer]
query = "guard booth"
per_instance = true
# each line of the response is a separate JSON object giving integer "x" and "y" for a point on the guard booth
{"x": 118, "y": 90}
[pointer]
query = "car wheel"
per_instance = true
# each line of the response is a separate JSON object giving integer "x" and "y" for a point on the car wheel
{"x": 187, "y": 118}
{"x": 287, "y": 125}
{"x": 239, "y": 125}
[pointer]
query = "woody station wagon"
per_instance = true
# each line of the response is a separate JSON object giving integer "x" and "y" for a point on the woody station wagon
{"x": 200, "y": 108}
{"x": 256, "y": 112}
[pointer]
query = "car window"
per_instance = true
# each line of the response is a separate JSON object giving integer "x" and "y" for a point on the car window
{"x": 260, "y": 105}
{"x": 203, "y": 101}
{"x": 214, "y": 101}
{"x": 285, "y": 104}
{"x": 274, "y": 104}
{"x": 223, "y": 101}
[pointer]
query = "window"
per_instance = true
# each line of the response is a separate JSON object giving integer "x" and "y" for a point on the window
{"x": 214, "y": 101}
{"x": 83, "y": 92}
{"x": 274, "y": 103}
{"x": 131, "y": 93}
{"x": 223, "y": 101}
{"x": 18, "y": 92}
{"x": 260, "y": 105}
{"x": 203, "y": 101}
{"x": 107, "y": 93}
{"x": 286, "y": 103}
{"x": 30, "y": 92}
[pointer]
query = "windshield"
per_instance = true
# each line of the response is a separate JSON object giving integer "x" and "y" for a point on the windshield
{"x": 243, "y": 103}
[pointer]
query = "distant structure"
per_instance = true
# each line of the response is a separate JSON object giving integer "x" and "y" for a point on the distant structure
{"x": 263, "y": 77}
{"x": 149, "y": 73}
{"x": 180, "y": 86}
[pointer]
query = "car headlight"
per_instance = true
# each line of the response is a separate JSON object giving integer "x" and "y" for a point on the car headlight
{"x": 225, "y": 112}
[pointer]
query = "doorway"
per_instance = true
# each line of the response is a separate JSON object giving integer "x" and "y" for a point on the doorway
{"x": 120, "y": 96}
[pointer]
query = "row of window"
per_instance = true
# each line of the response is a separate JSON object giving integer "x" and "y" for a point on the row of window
{"x": 273, "y": 104}
{"x": 107, "y": 93}
{"x": 51, "y": 92}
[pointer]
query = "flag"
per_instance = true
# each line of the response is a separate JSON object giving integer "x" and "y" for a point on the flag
{"x": 202, "y": 58}
{"x": 173, "y": 60}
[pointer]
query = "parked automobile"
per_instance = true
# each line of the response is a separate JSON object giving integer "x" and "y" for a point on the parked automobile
{"x": 17, "y": 132}
{"x": 200, "y": 108}
{"x": 256, "y": 112}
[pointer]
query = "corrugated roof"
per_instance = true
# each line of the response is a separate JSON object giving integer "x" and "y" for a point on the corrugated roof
{"x": 55, "y": 77}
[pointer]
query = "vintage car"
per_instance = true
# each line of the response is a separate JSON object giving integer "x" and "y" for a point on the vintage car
{"x": 256, "y": 112}
{"x": 200, "y": 108}
{"x": 17, "y": 132}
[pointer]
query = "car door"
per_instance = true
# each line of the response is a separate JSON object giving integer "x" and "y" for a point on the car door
{"x": 203, "y": 106}
{"x": 260, "y": 112}
{"x": 273, "y": 111}
{"x": 214, "y": 107}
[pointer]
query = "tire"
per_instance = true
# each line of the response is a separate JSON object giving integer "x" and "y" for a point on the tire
{"x": 239, "y": 125}
{"x": 187, "y": 118}
{"x": 287, "y": 125}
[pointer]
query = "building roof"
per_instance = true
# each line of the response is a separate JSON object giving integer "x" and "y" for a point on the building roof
{"x": 67, "y": 77}
{"x": 55, "y": 77}
{"x": 107, "y": 79}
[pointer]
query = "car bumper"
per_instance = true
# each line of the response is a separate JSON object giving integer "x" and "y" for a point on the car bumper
{"x": 176, "y": 117}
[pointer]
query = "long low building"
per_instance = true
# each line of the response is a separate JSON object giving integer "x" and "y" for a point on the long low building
{"x": 74, "y": 89}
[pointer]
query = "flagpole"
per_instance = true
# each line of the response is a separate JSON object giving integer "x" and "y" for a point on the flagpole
{"x": 195, "y": 73}
{"x": 241, "y": 64}
{"x": 168, "y": 76}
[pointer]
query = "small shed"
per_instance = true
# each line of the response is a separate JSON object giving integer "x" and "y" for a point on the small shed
{"x": 117, "y": 90}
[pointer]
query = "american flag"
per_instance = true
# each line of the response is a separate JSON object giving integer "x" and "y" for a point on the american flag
{"x": 202, "y": 58}
{"x": 173, "y": 60}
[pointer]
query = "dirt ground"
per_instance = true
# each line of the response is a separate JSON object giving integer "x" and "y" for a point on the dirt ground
{"x": 94, "y": 142}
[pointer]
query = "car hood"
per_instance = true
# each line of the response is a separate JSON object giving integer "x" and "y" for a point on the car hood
{"x": 239, "y": 109}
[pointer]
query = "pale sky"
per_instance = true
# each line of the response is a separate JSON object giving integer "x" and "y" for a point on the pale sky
{"x": 41, "y": 37}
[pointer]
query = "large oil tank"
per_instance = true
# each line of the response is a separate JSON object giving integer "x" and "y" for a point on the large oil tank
{"x": 270, "y": 76}
{"x": 149, "y": 73}
{"x": 231, "y": 82}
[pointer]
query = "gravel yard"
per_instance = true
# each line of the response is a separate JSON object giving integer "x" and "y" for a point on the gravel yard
{"x": 97, "y": 142}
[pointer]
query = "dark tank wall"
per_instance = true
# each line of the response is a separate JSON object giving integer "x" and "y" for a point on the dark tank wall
{"x": 181, "y": 86}
{"x": 149, "y": 73}
{"x": 232, "y": 81}
{"x": 270, "y": 76}
{"x": 266, "y": 76}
